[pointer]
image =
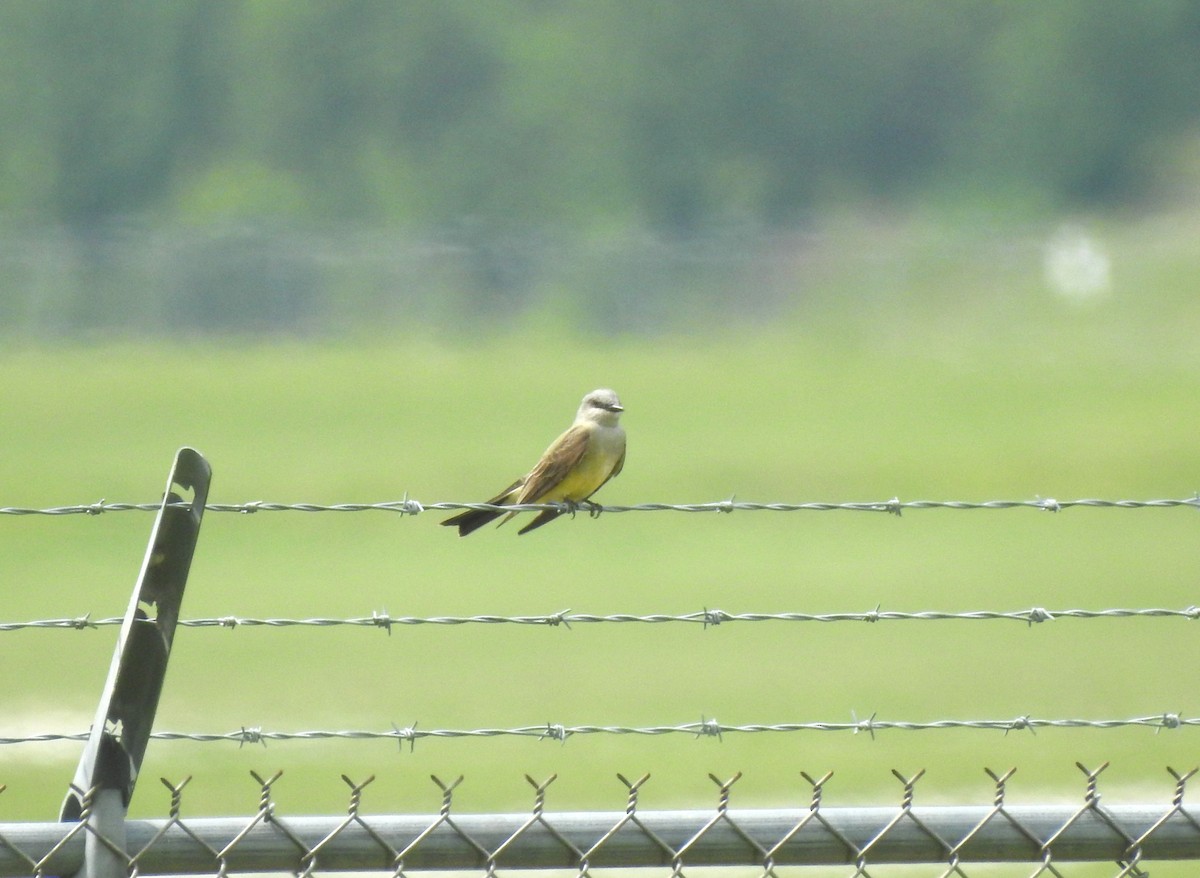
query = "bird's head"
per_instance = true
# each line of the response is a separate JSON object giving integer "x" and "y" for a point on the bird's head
{"x": 602, "y": 406}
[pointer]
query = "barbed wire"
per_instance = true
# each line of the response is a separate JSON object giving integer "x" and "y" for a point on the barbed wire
{"x": 705, "y": 728}
{"x": 407, "y": 506}
{"x": 566, "y": 618}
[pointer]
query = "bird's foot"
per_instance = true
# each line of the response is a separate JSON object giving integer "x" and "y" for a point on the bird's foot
{"x": 572, "y": 506}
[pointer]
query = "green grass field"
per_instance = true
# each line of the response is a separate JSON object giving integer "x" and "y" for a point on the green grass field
{"x": 975, "y": 397}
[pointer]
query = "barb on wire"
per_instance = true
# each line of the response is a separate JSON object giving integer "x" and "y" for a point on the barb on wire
{"x": 408, "y": 506}
{"x": 705, "y": 728}
{"x": 707, "y": 618}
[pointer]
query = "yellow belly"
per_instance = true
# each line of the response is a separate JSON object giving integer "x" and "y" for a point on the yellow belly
{"x": 593, "y": 470}
{"x": 604, "y": 452}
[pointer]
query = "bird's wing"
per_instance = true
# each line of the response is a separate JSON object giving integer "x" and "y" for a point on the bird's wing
{"x": 505, "y": 496}
{"x": 560, "y": 458}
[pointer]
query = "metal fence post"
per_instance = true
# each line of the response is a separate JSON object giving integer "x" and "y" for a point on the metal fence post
{"x": 112, "y": 757}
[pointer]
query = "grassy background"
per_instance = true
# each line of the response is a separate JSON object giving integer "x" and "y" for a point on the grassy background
{"x": 969, "y": 387}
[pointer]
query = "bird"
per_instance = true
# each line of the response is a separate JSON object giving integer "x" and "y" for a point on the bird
{"x": 571, "y": 470}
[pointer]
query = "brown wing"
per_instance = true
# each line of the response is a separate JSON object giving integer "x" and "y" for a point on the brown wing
{"x": 559, "y": 459}
{"x": 505, "y": 496}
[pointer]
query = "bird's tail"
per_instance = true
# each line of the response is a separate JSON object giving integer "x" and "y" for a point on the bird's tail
{"x": 544, "y": 517}
{"x": 471, "y": 520}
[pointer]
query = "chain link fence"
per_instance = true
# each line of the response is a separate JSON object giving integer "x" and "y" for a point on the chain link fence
{"x": 1045, "y": 837}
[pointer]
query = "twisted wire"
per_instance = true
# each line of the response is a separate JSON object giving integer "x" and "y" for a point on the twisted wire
{"x": 566, "y": 618}
{"x": 407, "y": 506}
{"x": 705, "y": 728}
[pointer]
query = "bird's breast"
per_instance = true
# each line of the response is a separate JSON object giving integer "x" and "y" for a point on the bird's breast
{"x": 605, "y": 447}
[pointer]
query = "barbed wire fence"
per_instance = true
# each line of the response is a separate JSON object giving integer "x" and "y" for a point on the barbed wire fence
{"x": 704, "y": 728}
{"x": 408, "y": 506}
{"x": 1046, "y": 836}
{"x": 707, "y": 618}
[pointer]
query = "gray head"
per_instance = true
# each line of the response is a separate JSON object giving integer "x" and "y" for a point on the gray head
{"x": 601, "y": 406}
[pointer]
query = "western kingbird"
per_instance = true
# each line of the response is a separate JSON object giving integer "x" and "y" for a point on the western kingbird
{"x": 571, "y": 470}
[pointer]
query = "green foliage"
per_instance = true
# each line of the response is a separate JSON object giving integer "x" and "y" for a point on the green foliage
{"x": 313, "y": 168}
{"x": 538, "y": 113}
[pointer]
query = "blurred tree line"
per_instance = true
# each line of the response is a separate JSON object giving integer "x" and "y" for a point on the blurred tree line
{"x": 478, "y": 115}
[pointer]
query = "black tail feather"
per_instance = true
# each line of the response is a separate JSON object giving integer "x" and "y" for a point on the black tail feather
{"x": 544, "y": 517}
{"x": 471, "y": 520}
